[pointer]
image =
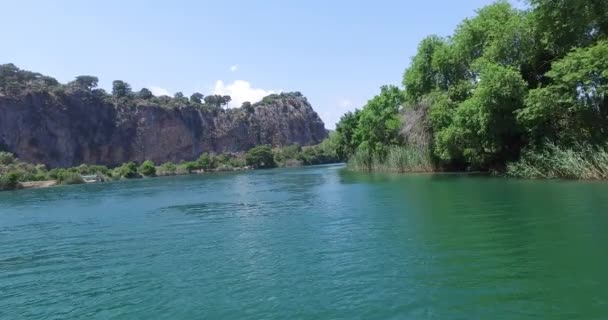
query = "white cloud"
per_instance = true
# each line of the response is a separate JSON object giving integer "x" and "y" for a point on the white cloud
{"x": 240, "y": 91}
{"x": 234, "y": 68}
{"x": 158, "y": 91}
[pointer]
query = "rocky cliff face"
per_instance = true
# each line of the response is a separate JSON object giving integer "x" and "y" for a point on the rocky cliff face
{"x": 71, "y": 129}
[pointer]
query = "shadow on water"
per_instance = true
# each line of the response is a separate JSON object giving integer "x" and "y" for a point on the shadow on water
{"x": 532, "y": 243}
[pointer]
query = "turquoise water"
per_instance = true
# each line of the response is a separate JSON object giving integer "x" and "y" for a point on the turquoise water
{"x": 309, "y": 243}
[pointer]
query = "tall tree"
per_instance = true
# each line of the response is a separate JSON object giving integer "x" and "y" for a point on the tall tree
{"x": 196, "y": 98}
{"x": 120, "y": 89}
{"x": 86, "y": 82}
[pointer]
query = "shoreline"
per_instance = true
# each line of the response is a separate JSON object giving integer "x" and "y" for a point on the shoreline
{"x": 37, "y": 184}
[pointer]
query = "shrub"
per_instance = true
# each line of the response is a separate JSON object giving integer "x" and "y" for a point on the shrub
{"x": 147, "y": 169}
{"x": 206, "y": 162}
{"x": 126, "y": 170}
{"x": 260, "y": 157}
{"x": 71, "y": 178}
{"x": 6, "y": 158}
{"x": 9, "y": 181}
{"x": 167, "y": 169}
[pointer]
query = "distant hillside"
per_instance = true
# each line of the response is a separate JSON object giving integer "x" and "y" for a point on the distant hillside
{"x": 60, "y": 125}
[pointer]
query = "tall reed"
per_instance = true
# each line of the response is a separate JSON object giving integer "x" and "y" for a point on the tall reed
{"x": 554, "y": 162}
{"x": 397, "y": 159}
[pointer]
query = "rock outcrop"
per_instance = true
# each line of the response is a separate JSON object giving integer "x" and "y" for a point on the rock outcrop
{"x": 79, "y": 127}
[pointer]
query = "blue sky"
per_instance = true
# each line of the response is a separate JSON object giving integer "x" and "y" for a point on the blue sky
{"x": 337, "y": 53}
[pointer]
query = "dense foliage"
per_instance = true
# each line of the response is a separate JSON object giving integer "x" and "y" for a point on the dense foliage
{"x": 13, "y": 171}
{"x": 260, "y": 157}
{"x": 507, "y": 82}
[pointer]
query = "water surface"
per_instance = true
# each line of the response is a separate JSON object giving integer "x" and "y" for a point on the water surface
{"x": 309, "y": 243}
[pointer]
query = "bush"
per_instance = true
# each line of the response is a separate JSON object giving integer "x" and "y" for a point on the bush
{"x": 126, "y": 170}
{"x": 260, "y": 157}
{"x": 6, "y": 158}
{"x": 9, "y": 181}
{"x": 147, "y": 169}
{"x": 71, "y": 178}
{"x": 167, "y": 169}
{"x": 206, "y": 162}
{"x": 188, "y": 167}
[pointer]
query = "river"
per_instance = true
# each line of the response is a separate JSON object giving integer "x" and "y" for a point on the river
{"x": 306, "y": 243}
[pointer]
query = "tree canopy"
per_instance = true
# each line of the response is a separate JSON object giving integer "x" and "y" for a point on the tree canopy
{"x": 506, "y": 80}
{"x": 260, "y": 157}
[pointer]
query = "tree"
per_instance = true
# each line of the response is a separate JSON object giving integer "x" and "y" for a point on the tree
{"x": 147, "y": 169}
{"x": 207, "y": 161}
{"x": 189, "y": 166}
{"x": 565, "y": 24}
{"x": 248, "y": 107}
{"x": 9, "y": 78}
{"x": 86, "y": 82}
{"x": 127, "y": 170}
{"x": 9, "y": 181}
{"x": 120, "y": 89}
{"x": 99, "y": 93}
{"x": 573, "y": 108}
{"x": 346, "y": 129}
{"x": 217, "y": 100}
{"x": 378, "y": 124}
{"x": 196, "y": 98}
{"x": 168, "y": 168}
{"x": 422, "y": 76}
{"x": 225, "y": 100}
{"x": 484, "y": 131}
{"x": 145, "y": 94}
{"x": 178, "y": 95}
{"x": 260, "y": 157}
{"x": 6, "y": 158}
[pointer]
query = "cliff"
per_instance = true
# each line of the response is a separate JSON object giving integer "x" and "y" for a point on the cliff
{"x": 70, "y": 128}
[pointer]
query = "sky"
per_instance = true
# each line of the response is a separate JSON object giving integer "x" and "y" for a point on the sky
{"x": 337, "y": 53}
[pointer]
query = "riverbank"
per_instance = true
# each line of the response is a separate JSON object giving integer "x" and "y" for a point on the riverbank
{"x": 16, "y": 174}
{"x": 38, "y": 184}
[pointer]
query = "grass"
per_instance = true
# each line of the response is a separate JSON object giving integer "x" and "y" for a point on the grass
{"x": 554, "y": 162}
{"x": 398, "y": 159}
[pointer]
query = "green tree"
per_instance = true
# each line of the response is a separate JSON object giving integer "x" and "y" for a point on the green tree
{"x": 248, "y": 107}
{"x": 6, "y": 158}
{"x": 127, "y": 171}
{"x": 260, "y": 157}
{"x": 207, "y": 161}
{"x": 422, "y": 76}
{"x": 10, "y": 79}
{"x": 196, "y": 98}
{"x": 86, "y": 82}
{"x": 565, "y": 24}
{"x": 217, "y": 100}
{"x": 9, "y": 181}
{"x": 379, "y": 123}
{"x": 145, "y": 94}
{"x": 147, "y": 169}
{"x": 168, "y": 168}
{"x": 346, "y": 129}
{"x": 573, "y": 108}
{"x": 120, "y": 89}
{"x": 484, "y": 130}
